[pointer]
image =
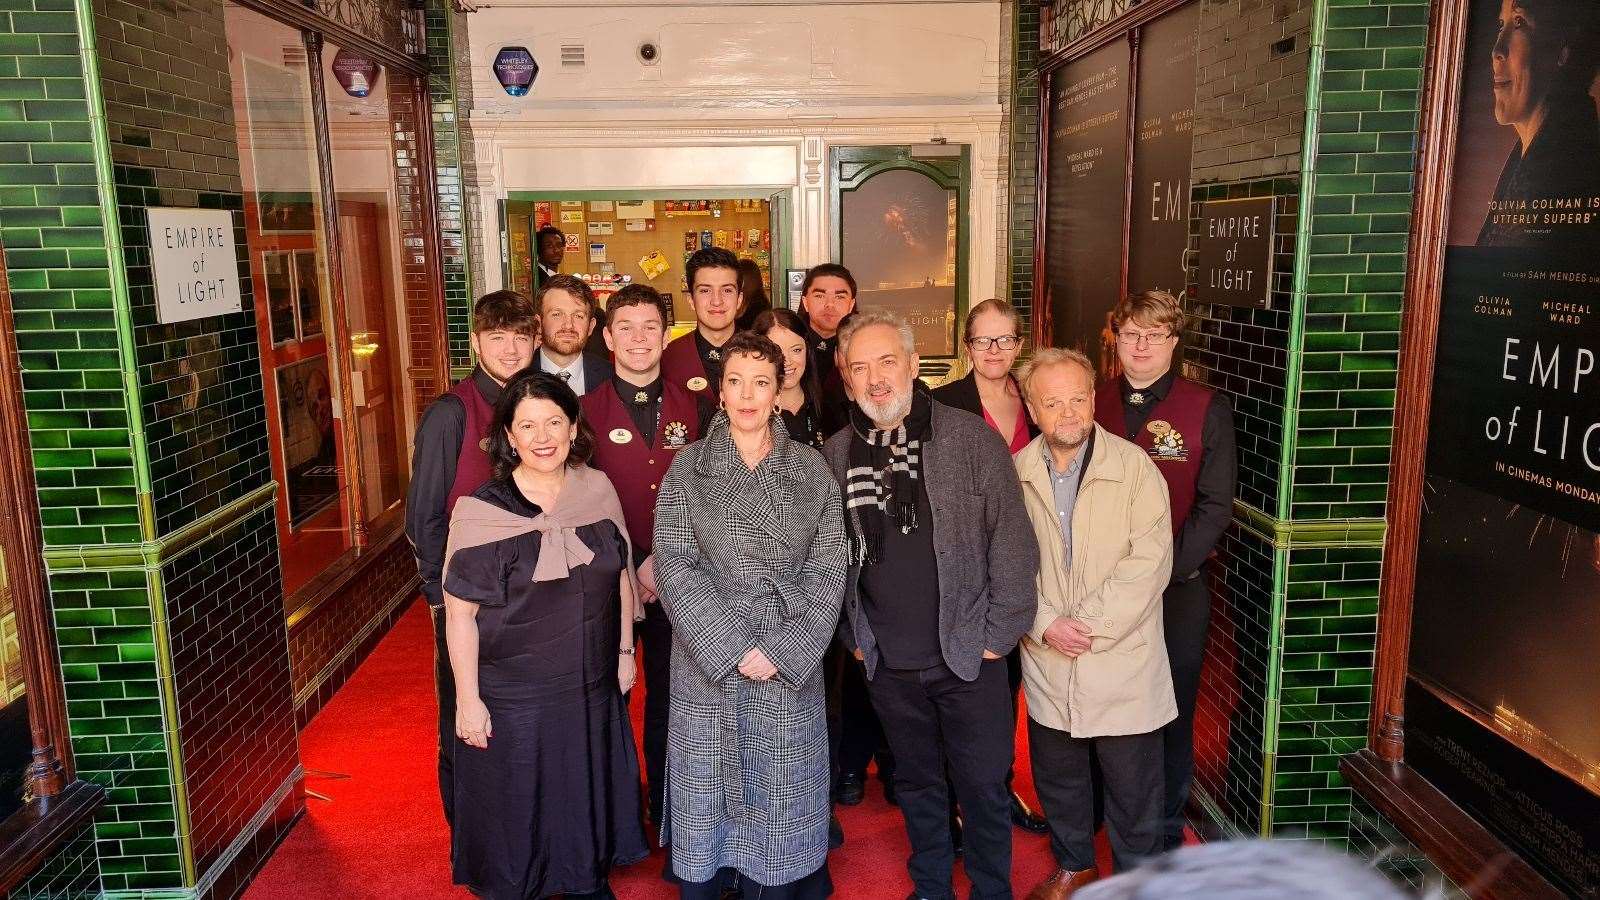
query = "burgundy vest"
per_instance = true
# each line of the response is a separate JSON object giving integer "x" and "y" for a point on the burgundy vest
{"x": 1172, "y": 436}
{"x": 634, "y": 467}
{"x": 473, "y": 467}
{"x": 681, "y": 366}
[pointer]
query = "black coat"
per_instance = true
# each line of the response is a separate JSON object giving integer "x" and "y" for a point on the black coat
{"x": 963, "y": 394}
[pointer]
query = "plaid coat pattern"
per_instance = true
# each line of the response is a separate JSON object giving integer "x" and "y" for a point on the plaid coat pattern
{"x": 748, "y": 559}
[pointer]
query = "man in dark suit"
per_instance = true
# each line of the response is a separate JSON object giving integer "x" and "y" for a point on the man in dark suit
{"x": 567, "y": 312}
{"x": 551, "y": 243}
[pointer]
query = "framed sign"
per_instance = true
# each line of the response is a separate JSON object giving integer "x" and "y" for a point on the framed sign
{"x": 193, "y": 264}
{"x": 1487, "y": 663}
{"x": 1234, "y": 251}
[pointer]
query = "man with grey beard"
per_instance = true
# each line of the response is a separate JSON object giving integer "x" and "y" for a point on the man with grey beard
{"x": 1094, "y": 664}
{"x": 941, "y": 586}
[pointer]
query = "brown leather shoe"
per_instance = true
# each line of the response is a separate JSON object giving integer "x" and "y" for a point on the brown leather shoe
{"x": 1062, "y": 884}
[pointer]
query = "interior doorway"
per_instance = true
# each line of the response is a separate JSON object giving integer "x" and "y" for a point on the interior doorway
{"x": 614, "y": 238}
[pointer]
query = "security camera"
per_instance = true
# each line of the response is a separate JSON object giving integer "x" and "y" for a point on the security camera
{"x": 649, "y": 53}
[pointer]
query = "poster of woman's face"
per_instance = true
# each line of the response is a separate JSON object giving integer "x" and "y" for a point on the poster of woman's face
{"x": 1528, "y": 148}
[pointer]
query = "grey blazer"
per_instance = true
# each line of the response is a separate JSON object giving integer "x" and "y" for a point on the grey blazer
{"x": 744, "y": 560}
{"x": 985, "y": 551}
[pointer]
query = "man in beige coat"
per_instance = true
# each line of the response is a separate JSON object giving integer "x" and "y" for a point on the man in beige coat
{"x": 1094, "y": 663}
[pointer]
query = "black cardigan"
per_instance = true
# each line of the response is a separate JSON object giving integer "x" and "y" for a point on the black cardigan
{"x": 963, "y": 394}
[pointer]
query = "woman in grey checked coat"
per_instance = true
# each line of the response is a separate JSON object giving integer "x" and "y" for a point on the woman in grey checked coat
{"x": 750, "y": 565}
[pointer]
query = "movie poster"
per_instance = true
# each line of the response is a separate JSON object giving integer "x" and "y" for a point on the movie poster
{"x": 1505, "y": 650}
{"x": 1086, "y": 178}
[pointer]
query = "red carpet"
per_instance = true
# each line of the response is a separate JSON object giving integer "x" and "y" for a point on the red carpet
{"x": 380, "y": 833}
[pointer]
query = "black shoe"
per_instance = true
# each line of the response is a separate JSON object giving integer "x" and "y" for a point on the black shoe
{"x": 835, "y": 833}
{"x": 955, "y": 833}
{"x": 1025, "y": 818}
{"x": 852, "y": 789}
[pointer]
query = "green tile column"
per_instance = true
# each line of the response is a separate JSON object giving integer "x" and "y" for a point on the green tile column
{"x": 1350, "y": 277}
{"x": 450, "y": 90}
{"x": 59, "y": 229}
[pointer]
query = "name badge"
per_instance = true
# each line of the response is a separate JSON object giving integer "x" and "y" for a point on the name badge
{"x": 621, "y": 435}
{"x": 696, "y": 383}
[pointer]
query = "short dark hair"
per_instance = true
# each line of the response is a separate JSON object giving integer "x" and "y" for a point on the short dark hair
{"x": 637, "y": 294}
{"x": 759, "y": 346}
{"x": 828, "y": 269}
{"x": 546, "y": 231}
{"x": 503, "y": 311}
{"x": 532, "y": 383}
{"x": 709, "y": 258}
{"x": 572, "y": 284}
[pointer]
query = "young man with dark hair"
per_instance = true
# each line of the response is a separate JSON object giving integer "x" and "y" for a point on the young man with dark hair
{"x": 451, "y": 461}
{"x": 695, "y": 360}
{"x": 550, "y": 244}
{"x": 641, "y": 420}
{"x": 827, "y": 300}
{"x": 567, "y": 315}
{"x": 1187, "y": 430}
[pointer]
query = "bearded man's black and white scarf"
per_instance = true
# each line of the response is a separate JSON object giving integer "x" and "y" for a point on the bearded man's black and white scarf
{"x": 885, "y": 476}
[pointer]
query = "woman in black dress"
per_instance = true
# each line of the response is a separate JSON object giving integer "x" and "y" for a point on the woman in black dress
{"x": 539, "y": 612}
{"x": 800, "y": 397}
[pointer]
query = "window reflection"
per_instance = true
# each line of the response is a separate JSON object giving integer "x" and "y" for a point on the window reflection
{"x": 899, "y": 240}
{"x": 289, "y": 273}
{"x": 375, "y": 210}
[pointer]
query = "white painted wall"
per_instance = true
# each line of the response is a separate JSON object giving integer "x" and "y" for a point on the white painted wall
{"x": 744, "y": 95}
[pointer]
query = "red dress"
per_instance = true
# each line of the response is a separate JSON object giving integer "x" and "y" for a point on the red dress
{"x": 1019, "y": 437}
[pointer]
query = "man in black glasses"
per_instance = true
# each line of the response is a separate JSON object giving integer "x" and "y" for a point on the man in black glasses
{"x": 1187, "y": 429}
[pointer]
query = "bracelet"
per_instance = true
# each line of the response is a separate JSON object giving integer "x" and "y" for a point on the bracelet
{"x": 626, "y": 651}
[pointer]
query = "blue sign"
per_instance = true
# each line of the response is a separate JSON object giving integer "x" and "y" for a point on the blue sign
{"x": 515, "y": 69}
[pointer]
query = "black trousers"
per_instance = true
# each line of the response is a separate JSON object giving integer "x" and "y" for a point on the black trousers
{"x": 834, "y": 661}
{"x": 860, "y": 733}
{"x": 1186, "y": 608}
{"x": 937, "y": 723}
{"x": 444, "y": 690}
{"x": 1130, "y": 771}
{"x": 655, "y": 638}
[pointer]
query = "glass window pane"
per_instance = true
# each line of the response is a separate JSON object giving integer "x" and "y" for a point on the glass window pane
{"x": 380, "y": 217}
{"x": 899, "y": 240}
{"x": 289, "y": 274}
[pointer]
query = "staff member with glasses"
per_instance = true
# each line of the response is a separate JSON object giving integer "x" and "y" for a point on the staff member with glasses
{"x": 1187, "y": 429}
{"x": 992, "y": 336}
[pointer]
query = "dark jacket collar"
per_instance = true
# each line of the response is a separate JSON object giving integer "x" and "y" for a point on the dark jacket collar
{"x": 488, "y": 388}
{"x": 1155, "y": 393}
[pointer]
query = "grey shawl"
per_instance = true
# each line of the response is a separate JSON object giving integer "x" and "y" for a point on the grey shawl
{"x": 748, "y": 559}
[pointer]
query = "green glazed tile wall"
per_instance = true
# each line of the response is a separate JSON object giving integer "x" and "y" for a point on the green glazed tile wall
{"x": 1023, "y": 169}
{"x": 172, "y": 143}
{"x": 450, "y": 92}
{"x": 71, "y": 873}
{"x": 117, "y": 712}
{"x": 1365, "y": 143}
{"x": 54, "y": 233}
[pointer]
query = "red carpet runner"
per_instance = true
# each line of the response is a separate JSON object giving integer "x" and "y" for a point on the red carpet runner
{"x": 380, "y": 833}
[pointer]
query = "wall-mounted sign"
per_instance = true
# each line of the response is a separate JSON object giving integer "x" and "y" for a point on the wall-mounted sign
{"x": 355, "y": 72}
{"x": 515, "y": 69}
{"x": 193, "y": 262}
{"x": 1234, "y": 251}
